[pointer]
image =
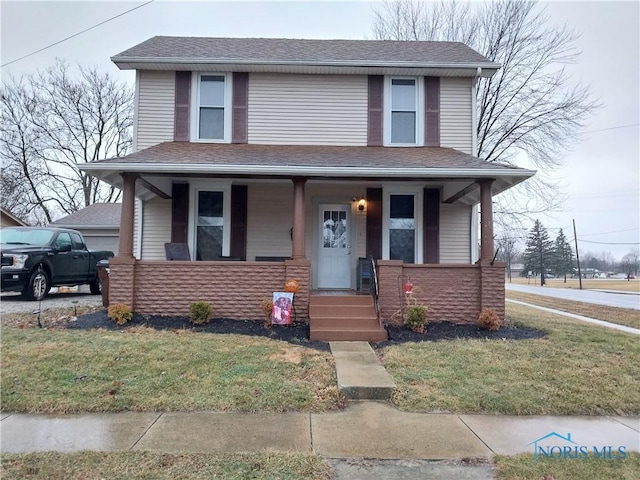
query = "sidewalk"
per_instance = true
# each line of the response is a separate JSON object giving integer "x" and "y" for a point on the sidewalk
{"x": 370, "y": 429}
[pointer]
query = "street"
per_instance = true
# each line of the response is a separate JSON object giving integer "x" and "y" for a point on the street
{"x": 621, "y": 300}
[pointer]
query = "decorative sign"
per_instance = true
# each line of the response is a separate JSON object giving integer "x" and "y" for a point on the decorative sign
{"x": 282, "y": 305}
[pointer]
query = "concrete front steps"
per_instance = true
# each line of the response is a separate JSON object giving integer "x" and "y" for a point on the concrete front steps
{"x": 344, "y": 318}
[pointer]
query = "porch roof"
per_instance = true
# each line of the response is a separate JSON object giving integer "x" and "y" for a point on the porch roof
{"x": 311, "y": 161}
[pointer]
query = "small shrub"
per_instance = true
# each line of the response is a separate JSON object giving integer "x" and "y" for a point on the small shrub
{"x": 120, "y": 313}
{"x": 266, "y": 306}
{"x": 415, "y": 317}
{"x": 489, "y": 319}
{"x": 200, "y": 312}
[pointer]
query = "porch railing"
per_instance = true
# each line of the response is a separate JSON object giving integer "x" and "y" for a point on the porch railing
{"x": 373, "y": 286}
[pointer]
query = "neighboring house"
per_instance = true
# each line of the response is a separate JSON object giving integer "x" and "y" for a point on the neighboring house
{"x": 10, "y": 220}
{"x": 320, "y": 152}
{"x": 99, "y": 223}
{"x": 517, "y": 269}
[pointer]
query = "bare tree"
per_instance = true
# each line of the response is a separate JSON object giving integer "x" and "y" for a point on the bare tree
{"x": 529, "y": 112}
{"x": 53, "y": 122}
{"x": 507, "y": 244}
{"x": 630, "y": 263}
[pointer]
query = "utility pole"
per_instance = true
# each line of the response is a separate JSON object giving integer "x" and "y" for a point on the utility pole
{"x": 575, "y": 237}
{"x": 542, "y": 282}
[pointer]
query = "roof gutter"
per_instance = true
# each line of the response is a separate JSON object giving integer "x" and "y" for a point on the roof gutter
{"x": 310, "y": 171}
{"x": 328, "y": 63}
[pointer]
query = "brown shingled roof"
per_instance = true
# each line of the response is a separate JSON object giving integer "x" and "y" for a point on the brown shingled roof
{"x": 302, "y": 155}
{"x": 300, "y": 51}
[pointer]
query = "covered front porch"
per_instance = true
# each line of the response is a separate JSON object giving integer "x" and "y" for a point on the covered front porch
{"x": 249, "y": 227}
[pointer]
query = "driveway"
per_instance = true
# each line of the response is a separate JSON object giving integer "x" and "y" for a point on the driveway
{"x": 13, "y": 303}
{"x": 622, "y": 300}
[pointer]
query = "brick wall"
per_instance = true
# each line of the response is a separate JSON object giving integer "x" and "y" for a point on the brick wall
{"x": 234, "y": 289}
{"x": 453, "y": 293}
{"x": 121, "y": 283}
{"x": 492, "y": 280}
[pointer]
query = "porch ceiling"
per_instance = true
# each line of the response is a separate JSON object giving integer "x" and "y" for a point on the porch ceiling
{"x": 455, "y": 171}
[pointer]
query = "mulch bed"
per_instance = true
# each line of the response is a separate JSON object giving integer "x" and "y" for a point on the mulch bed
{"x": 298, "y": 333}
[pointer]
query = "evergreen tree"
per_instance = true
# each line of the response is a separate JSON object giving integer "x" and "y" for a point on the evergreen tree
{"x": 538, "y": 255}
{"x": 563, "y": 261}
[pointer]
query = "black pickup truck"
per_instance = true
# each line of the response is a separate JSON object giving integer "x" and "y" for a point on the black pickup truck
{"x": 34, "y": 259}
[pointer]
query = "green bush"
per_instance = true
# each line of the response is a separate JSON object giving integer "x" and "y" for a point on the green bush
{"x": 120, "y": 313}
{"x": 489, "y": 319}
{"x": 200, "y": 312}
{"x": 415, "y": 317}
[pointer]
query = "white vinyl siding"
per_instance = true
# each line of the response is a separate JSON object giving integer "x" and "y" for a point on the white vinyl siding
{"x": 456, "y": 122}
{"x": 307, "y": 109}
{"x": 269, "y": 217}
{"x": 156, "y": 215}
{"x": 156, "y": 99}
{"x": 455, "y": 234}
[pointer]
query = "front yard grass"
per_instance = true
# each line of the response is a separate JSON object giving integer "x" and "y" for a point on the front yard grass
{"x": 523, "y": 467}
{"x": 140, "y": 369}
{"x": 576, "y": 369}
{"x": 100, "y": 465}
{"x": 621, "y": 316}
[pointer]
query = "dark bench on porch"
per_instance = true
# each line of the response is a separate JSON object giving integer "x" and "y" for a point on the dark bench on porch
{"x": 271, "y": 259}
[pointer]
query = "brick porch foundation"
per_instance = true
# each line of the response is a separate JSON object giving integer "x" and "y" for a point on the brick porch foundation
{"x": 234, "y": 289}
{"x": 453, "y": 293}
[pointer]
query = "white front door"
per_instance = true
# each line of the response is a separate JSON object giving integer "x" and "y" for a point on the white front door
{"x": 334, "y": 252}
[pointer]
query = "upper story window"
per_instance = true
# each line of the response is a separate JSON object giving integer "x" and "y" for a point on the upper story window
{"x": 213, "y": 107}
{"x": 403, "y": 111}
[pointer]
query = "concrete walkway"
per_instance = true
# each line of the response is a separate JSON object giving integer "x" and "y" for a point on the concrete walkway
{"x": 374, "y": 430}
{"x": 360, "y": 374}
{"x": 582, "y": 318}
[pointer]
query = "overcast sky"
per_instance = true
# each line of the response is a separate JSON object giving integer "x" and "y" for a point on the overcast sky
{"x": 601, "y": 174}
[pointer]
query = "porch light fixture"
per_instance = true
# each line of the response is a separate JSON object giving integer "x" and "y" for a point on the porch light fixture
{"x": 361, "y": 204}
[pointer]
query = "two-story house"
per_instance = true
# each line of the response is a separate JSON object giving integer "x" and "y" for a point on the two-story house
{"x": 280, "y": 158}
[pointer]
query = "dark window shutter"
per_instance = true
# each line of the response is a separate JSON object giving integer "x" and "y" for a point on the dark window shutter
{"x": 240, "y": 103}
{"x": 431, "y": 221}
{"x": 179, "y": 212}
{"x": 374, "y": 222}
{"x": 239, "y": 221}
{"x": 374, "y": 123}
{"x": 183, "y": 99}
{"x": 432, "y": 111}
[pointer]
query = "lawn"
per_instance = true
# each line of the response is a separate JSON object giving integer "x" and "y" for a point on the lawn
{"x": 99, "y": 465}
{"x": 587, "y": 283}
{"x": 576, "y": 369}
{"x": 622, "y": 316}
{"x": 140, "y": 369}
{"x": 523, "y": 467}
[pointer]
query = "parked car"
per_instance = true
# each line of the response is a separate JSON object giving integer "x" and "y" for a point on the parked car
{"x": 34, "y": 259}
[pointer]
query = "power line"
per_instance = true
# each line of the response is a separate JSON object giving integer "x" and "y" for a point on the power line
{"x": 76, "y": 34}
{"x": 605, "y": 233}
{"x": 609, "y": 243}
{"x": 613, "y": 128}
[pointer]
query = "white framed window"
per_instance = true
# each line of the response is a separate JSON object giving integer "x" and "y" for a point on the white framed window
{"x": 211, "y": 115}
{"x": 210, "y": 226}
{"x": 404, "y": 111}
{"x": 402, "y": 225}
